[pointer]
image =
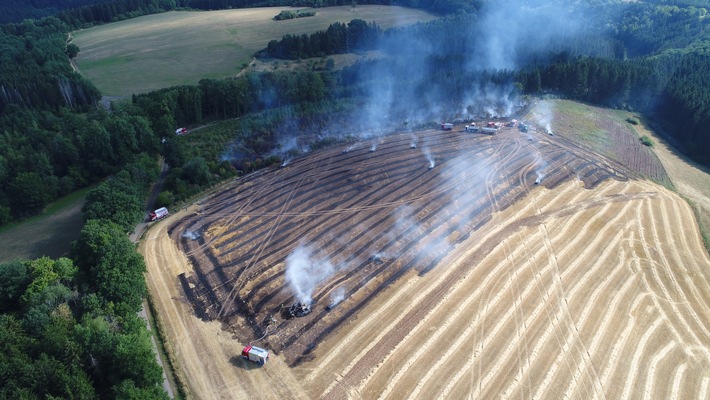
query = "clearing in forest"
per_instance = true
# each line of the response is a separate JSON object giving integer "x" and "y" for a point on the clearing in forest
{"x": 49, "y": 234}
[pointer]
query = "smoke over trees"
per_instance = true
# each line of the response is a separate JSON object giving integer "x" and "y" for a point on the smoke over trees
{"x": 645, "y": 56}
{"x": 617, "y": 54}
{"x": 463, "y": 66}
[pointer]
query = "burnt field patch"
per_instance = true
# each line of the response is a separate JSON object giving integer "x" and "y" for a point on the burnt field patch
{"x": 334, "y": 228}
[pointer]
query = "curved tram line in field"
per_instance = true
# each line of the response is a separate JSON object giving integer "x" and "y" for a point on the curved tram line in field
{"x": 351, "y": 206}
{"x": 551, "y": 307}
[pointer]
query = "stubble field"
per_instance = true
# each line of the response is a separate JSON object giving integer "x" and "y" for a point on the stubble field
{"x": 464, "y": 280}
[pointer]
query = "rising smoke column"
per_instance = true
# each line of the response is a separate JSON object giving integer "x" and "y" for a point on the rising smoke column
{"x": 544, "y": 114}
{"x": 303, "y": 273}
{"x": 464, "y": 176}
{"x": 376, "y": 143}
{"x": 351, "y": 147}
{"x": 540, "y": 165}
{"x": 429, "y": 157}
{"x": 413, "y": 142}
{"x": 408, "y": 82}
{"x": 337, "y": 296}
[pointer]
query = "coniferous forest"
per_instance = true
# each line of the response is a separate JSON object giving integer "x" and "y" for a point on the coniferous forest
{"x": 69, "y": 326}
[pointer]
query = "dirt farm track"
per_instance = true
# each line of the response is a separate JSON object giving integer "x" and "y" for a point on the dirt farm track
{"x": 517, "y": 266}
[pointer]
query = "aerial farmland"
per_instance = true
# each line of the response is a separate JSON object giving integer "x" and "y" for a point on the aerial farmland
{"x": 178, "y": 48}
{"x": 438, "y": 264}
{"x": 438, "y": 199}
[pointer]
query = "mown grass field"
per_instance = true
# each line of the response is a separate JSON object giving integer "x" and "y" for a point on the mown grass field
{"x": 176, "y": 48}
{"x": 48, "y": 234}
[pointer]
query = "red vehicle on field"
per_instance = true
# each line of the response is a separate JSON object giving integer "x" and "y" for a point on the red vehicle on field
{"x": 160, "y": 213}
{"x": 255, "y": 354}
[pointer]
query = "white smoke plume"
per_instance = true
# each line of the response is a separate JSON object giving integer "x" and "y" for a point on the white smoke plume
{"x": 303, "y": 273}
{"x": 544, "y": 114}
{"x": 336, "y": 297}
{"x": 376, "y": 143}
{"x": 192, "y": 235}
{"x": 429, "y": 157}
{"x": 351, "y": 147}
{"x": 406, "y": 222}
{"x": 287, "y": 144}
{"x": 436, "y": 247}
{"x": 464, "y": 176}
{"x": 540, "y": 165}
{"x": 490, "y": 101}
{"x": 406, "y": 85}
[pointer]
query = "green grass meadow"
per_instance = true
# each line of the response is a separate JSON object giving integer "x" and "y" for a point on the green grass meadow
{"x": 181, "y": 47}
{"x": 48, "y": 234}
{"x": 582, "y": 123}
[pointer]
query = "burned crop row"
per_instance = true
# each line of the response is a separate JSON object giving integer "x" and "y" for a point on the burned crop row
{"x": 331, "y": 230}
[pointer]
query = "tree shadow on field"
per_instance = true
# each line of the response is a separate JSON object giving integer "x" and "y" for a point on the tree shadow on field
{"x": 239, "y": 362}
{"x": 44, "y": 235}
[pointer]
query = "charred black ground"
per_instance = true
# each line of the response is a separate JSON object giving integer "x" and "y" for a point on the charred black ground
{"x": 375, "y": 215}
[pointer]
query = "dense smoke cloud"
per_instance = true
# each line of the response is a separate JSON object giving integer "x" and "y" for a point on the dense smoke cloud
{"x": 407, "y": 223}
{"x": 414, "y": 83}
{"x": 511, "y": 31}
{"x": 465, "y": 176}
{"x": 458, "y": 68}
{"x": 427, "y": 76}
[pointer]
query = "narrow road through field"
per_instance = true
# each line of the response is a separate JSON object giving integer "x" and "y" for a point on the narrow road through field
{"x": 135, "y": 237}
{"x": 157, "y": 188}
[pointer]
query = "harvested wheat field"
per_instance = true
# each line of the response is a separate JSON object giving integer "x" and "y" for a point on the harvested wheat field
{"x": 438, "y": 265}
